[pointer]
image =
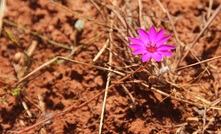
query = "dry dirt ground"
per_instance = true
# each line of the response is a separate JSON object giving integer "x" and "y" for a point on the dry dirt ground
{"x": 57, "y": 97}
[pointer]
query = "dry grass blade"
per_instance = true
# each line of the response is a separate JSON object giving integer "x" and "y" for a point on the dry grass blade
{"x": 178, "y": 43}
{"x": 79, "y": 15}
{"x": 36, "y": 34}
{"x": 101, "y": 51}
{"x": 109, "y": 73}
{"x": 178, "y": 50}
{"x": 211, "y": 19}
{"x": 140, "y": 14}
{"x": 64, "y": 58}
{"x": 100, "y": 77}
{"x": 210, "y": 9}
{"x": 2, "y": 11}
{"x": 74, "y": 107}
{"x": 12, "y": 38}
{"x": 204, "y": 61}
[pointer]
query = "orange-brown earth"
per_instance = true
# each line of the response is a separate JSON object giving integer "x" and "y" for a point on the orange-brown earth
{"x": 65, "y": 84}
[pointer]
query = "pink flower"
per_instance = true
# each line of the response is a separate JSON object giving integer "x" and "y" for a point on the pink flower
{"x": 151, "y": 45}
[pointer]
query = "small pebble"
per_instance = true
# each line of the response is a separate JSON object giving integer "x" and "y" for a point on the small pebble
{"x": 17, "y": 56}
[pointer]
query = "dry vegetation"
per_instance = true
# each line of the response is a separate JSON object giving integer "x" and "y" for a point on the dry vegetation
{"x": 66, "y": 67}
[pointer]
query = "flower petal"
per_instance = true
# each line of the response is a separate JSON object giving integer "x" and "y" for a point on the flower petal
{"x": 136, "y": 41}
{"x": 166, "y": 53}
{"x": 139, "y": 51}
{"x": 152, "y": 35}
{"x": 144, "y": 36}
{"x": 136, "y": 46}
{"x": 166, "y": 47}
{"x": 157, "y": 57}
{"x": 164, "y": 39}
{"x": 160, "y": 35}
{"x": 146, "y": 57}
